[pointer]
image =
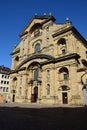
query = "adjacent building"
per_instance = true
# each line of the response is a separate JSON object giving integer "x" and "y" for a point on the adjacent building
{"x": 47, "y": 63}
{"x": 4, "y": 84}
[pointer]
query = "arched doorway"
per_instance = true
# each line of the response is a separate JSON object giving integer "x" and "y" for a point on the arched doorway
{"x": 64, "y": 91}
{"x": 65, "y": 98}
{"x": 34, "y": 96}
{"x": 13, "y": 98}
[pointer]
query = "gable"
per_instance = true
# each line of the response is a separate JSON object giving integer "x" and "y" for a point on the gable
{"x": 36, "y": 21}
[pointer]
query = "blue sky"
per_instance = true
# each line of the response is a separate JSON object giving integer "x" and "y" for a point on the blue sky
{"x": 15, "y": 14}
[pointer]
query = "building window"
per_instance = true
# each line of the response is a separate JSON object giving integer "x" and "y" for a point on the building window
{"x": 37, "y": 47}
{"x": 64, "y": 73}
{"x": 15, "y": 82}
{"x": 62, "y": 45}
{"x": 1, "y": 81}
{"x": 4, "y": 82}
{"x": 48, "y": 89}
{"x": 2, "y": 76}
{"x": 62, "y": 42}
{"x": 7, "y": 82}
{"x": 66, "y": 76}
{"x": 17, "y": 58}
{"x": 3, "y": 89}
{"x": 5, "y": 76}
{"x": 36, "y": 74}
{"x": 7, "y": 89}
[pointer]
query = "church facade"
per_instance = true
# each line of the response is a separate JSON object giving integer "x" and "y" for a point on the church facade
{"x": 47, "y": 63}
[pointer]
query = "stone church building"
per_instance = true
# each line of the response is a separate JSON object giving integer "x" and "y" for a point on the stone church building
{"x": 47, "y": 65}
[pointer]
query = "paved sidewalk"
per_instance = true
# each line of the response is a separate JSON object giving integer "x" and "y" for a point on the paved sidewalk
{"x": 35, "y": 105}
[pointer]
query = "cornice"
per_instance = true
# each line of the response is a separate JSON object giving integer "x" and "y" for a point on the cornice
{"x": 49, "y": 61}
{"x": 62, "y": 58}
{"x": 17, "y": 70}
{"x": 74, "y": 30}
{"x": 62, "y": 31}
{"x": 82, "y": 69}
{"x": 36, "y": 56}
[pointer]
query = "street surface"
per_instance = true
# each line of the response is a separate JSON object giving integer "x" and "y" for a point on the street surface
{"x": 42, "y": 117}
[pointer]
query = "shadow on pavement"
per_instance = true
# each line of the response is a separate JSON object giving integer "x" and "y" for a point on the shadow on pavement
{"x": 14, "y": 118}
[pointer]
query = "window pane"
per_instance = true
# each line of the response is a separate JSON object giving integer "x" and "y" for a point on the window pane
{"x": 36, "y": 74}
{"x": 66, "y": 76}
{"x": 37, "y": 47}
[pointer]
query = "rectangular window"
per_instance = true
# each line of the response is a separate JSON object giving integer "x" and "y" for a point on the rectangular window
{"x": 1, "y": 81}
{"x": 66, "y": 76}
{"x": 5, "y": 76}
{"x": 0, "y": 89}
{"x": 4, "y": 82}
{"x": 3, "y": 89}
{"x": 2, "y": 76}
{"x": 7, "y": 82}
{"x": 36, "y": 74}
{"x": 7, "y": 89}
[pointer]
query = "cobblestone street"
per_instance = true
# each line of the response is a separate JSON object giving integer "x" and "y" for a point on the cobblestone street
{"x": 38, "y": 117}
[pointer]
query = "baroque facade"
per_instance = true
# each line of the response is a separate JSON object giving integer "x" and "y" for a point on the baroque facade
{"x": 47, "y": 63}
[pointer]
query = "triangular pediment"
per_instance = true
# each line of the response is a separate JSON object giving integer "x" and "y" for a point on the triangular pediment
{"x": 35, "y": 22}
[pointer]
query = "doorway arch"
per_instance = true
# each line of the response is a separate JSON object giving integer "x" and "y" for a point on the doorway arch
{"x": 64, "y": 91}
{"x": 34, "y": 96}
{"x": 13, "y": 98}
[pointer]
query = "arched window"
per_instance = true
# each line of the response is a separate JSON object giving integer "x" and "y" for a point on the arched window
{"x": 62, "y": 45}
{"x": 36, "y": 74}
{"x": 14, "y": 82}
{"x": 37, "y": 47}
{"x": 17, "y": 58}
{"x": 64, "y": 73}
{"x": 62, "y": 41}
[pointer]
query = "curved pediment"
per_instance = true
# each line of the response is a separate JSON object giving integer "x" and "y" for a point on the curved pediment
{"x": 36, "y": 21}
{"x": 36, "y": 56}
{"x": 35, "y": 26}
